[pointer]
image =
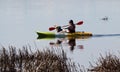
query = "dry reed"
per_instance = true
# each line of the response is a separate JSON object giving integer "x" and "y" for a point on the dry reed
{"x": 23, "y": 60}
{"x": 109, "y": 63}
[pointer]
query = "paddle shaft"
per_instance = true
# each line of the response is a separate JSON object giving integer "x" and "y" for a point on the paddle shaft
{"x": 79, "y": 23}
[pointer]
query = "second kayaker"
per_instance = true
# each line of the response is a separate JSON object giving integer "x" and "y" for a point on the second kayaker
{"x": 70, "y": 28}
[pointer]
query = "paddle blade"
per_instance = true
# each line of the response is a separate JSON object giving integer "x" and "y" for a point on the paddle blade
{"x": 51, "y": 28}
{"x": 80, "y": 23}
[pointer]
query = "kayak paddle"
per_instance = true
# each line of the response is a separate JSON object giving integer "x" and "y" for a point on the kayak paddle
{"x": 79, "y": 23}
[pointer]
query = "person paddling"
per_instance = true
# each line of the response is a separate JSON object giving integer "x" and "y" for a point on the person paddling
{"x": 71, "y": 28}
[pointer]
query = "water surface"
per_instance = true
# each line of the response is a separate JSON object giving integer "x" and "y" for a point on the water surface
{"x": 20, "y": 19}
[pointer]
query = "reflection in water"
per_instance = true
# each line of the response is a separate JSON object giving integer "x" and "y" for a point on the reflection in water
{"x": 80, "y": 46}
{"x": 70, "y": 42}
{"x": 59, "y": 42}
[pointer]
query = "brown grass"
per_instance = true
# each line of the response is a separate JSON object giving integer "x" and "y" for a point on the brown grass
{"x": 12, "y": 60}
{"x": 109, "y": 63}
{"x": 24, "y": 60}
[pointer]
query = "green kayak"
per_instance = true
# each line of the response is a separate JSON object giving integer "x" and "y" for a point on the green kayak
{"x": 42, "y": 35}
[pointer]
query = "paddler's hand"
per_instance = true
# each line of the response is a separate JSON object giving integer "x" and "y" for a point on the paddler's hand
{"x": 65, "y": 30}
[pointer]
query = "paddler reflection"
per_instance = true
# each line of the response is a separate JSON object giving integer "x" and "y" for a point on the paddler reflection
{"x": 70, "y": 42}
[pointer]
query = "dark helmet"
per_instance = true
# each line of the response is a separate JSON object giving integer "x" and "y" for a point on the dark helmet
{"x": 71, "y": 21}
{"x": 59, "y": 28}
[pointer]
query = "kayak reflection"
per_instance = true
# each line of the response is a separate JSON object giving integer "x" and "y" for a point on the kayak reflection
{"x": 63, "y": 40}
{"x": 70, "y": 42}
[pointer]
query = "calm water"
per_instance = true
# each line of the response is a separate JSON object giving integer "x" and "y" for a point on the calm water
{"x": 86, "y": 50}
{"x": 20, "y": 19}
